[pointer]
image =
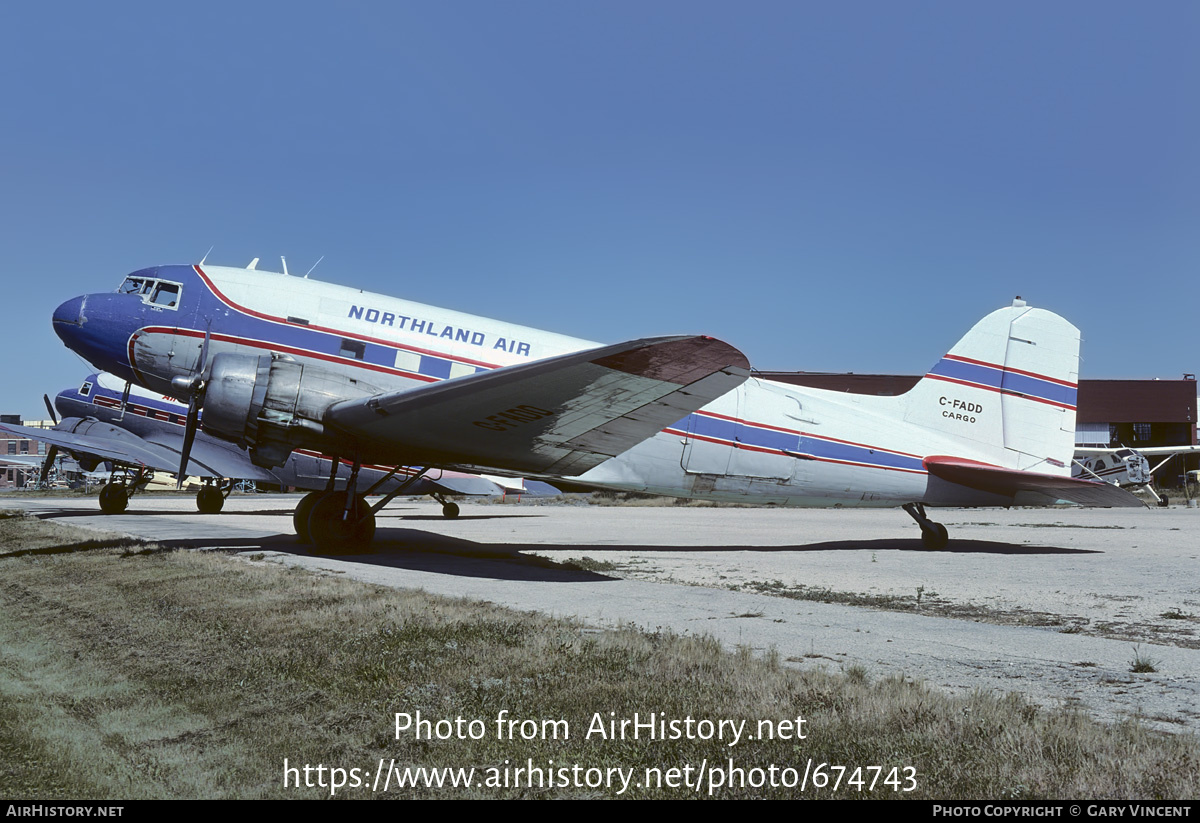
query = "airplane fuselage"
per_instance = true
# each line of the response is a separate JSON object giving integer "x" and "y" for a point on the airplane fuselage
{"x": 765, "y": 441}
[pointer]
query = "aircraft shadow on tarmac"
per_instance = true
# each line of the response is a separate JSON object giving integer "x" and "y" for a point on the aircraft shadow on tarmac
{"x": 420, "y": 550}
{"x": 287, "y": 512}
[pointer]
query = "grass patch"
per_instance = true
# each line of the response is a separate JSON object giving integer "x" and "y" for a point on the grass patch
{"x": 21, "y": 534}
{"x": 590, "y": 564}
{"x": 1141, "y": 663}
{"x": 188, "y": 674}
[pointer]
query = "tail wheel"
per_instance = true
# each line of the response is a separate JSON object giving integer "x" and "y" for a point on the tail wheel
{"x": 334, "y": 530}
{"x": 935, "y": 538}
{"x": 209, "y": 500}
{"x": 113, "y": 499}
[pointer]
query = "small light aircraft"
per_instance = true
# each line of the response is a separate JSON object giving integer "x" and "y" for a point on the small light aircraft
{"x": 281, "y": 363}
{"x": 105, "y": 420}
{"x": 1128, "y": 468}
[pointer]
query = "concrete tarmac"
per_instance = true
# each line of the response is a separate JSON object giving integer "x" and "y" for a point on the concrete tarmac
{"x": 1054, "y": 604}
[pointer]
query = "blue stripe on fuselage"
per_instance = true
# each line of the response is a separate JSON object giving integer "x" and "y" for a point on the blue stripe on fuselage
{"x": 1002, "y": 380}
{"x": 747, "y": 435}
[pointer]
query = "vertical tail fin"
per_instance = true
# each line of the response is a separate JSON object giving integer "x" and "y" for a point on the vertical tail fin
{"x": 1006, "y": 390}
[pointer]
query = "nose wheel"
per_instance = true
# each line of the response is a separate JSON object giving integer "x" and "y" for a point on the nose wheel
{"x": 933, "y": 535}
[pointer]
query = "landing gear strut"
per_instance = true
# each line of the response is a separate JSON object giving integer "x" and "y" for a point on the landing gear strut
{"x": 933, "y": 535}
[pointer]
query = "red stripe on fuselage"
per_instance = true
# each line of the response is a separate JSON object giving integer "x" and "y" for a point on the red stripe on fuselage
{"x": 340, "y": 332}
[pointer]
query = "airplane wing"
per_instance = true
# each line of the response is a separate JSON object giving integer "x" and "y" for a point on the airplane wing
{"x": 1011, "y": 482}
{"x": 559, "y": 417}
{"x": 103, "y": 442}
{"x": 22, "y": 460}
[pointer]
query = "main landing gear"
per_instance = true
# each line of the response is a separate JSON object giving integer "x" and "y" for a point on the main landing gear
{"x": 122, "y": 483}
{"x": 933, "y": 535}
{"x": 113, "y": 498}
{"x": 343, "y": 521}
{"x": 211, "y": 497}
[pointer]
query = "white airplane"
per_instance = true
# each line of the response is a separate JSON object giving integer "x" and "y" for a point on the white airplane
{"x": 138, "y": 432}
{"x": 280, "y": 363}
{"x": 1128, "y": 468}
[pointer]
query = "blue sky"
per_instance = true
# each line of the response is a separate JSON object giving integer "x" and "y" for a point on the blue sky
{"x": 828, "y": 186}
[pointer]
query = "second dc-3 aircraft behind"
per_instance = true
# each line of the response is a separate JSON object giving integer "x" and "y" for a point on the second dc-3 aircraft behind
{"x": 280, "y": 363}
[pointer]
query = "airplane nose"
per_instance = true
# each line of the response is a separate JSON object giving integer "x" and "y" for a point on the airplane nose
{"x": 70, "y": 312}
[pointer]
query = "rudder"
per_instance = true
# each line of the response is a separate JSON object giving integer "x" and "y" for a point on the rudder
{"x": 1007, "y": 389}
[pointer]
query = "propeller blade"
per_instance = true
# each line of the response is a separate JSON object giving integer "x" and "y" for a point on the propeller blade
{"x": 50, "y": 408}
{"x": 51, "y": 453}
{"x": 204, "y": 349}
{"x": 189, "y": 437}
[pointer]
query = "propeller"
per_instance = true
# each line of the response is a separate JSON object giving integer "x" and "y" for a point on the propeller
{"x": 194, "y": 387}
{"x": 52, "y": 452}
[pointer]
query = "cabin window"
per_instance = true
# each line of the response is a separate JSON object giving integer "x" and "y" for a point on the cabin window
{"x": 354, "y": 349}
{"x": 86, "y": 388}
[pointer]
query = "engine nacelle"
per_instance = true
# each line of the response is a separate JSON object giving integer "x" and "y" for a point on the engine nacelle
{"x": 273, "y": 404}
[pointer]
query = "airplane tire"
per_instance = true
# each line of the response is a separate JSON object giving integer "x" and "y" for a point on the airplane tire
{"x": 113, "y": 499}
{"x": 209, "y": 500}
{"x": 1163, "y": 501}
{"x": 333, "y": 533}
{"x": 936, "y": 537}
{"x": 303, "y": 512}
{"x": 450, "y": 510}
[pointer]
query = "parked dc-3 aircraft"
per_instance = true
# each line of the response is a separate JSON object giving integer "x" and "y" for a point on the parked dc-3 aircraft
{"x": 281, "y": 363}
{"x": 107, "y": 421}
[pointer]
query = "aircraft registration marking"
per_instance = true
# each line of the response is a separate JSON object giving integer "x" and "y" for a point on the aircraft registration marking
{"x": 512, "y": 418}
{"x": 960, "y": 409}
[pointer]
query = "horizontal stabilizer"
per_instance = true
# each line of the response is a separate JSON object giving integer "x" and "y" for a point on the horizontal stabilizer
{"x": 1013, "y": 482}
{"x": 560, "y": 416}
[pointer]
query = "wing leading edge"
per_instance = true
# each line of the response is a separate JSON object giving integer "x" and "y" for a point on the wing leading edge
{"x": 560, "y": 416}
{"x": 1012, "y": 482}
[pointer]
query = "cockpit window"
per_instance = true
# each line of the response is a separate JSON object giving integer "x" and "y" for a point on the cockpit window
{"x": 155, "y": 292}
{"x": 165, "y": 294}
{"x": 86, "y": 388}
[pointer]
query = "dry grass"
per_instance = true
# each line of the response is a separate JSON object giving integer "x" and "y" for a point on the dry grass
{"x": 129, "y": 674}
